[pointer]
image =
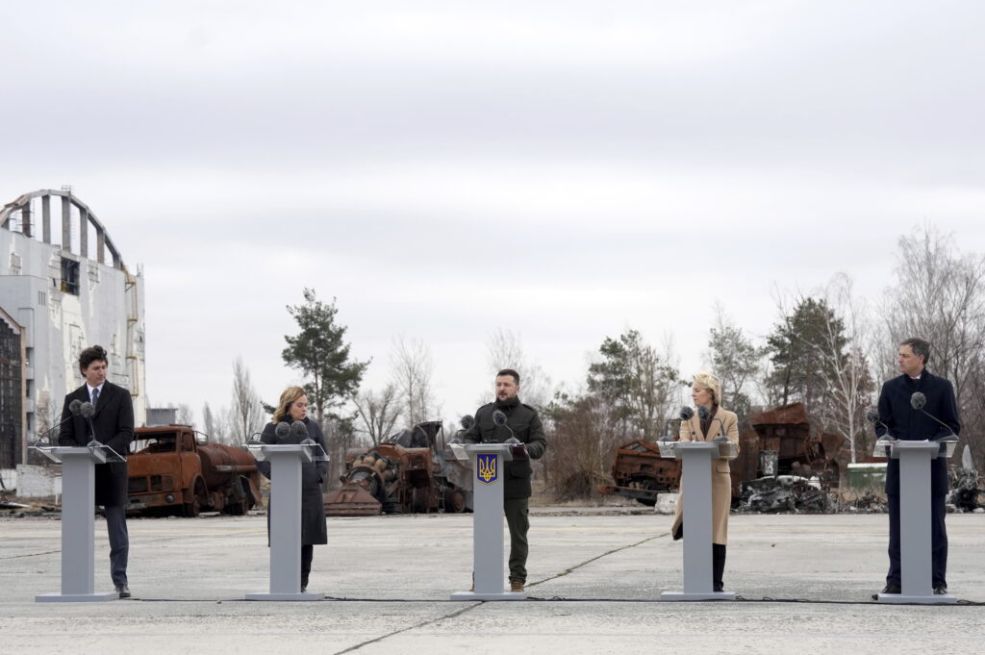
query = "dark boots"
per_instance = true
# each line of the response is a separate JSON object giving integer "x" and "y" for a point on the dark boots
{"x": 718, "y": 566}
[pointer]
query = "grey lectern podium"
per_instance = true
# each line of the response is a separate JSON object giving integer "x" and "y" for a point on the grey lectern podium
{"x": 916, "y": 562}
{"x": 78, "y": 527}
{"x": 488, "y": 564}
{"x": 285, "y": 517}
{"x": 696, "y": 458}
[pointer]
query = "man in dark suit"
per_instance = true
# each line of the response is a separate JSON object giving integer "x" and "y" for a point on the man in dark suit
{"x": 522, "y": 422}
{"x": 905, "y": 422}
{"x": 112, "y": 424}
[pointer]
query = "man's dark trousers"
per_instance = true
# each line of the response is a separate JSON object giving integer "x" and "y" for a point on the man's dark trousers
{"x": 119, "y": 543}
{"x": 516, "y": 510}
{"x": 938, "y": 539}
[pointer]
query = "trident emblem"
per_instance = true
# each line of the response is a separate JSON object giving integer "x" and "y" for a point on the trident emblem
{"x": 485, "y": 467}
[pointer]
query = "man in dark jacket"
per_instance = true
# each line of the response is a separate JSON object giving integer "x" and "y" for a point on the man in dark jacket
{"x": 905, "y": 422}
{"x": 523, "y": 423}
{"x": 112, "y": 424}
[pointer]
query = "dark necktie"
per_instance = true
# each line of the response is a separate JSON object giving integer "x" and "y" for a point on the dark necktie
{"x": 95, "y": 396}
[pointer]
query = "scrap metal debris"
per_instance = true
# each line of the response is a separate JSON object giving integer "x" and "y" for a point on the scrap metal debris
{"x": 784, "y": 493}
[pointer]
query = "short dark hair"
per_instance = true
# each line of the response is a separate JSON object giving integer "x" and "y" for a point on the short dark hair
{"x": 510, "y": 372}
{"x": 919, "y": 347}
{"x": 90, "y": 355}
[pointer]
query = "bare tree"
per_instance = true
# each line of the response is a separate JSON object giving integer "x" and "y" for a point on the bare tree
{"x": 215, "y": 424}
{"x": 735, "y": 360}
{"x": 940, "y": 297}
{"x": 247, "y": 412}
{"x": 184, "y": 415}
{"x": 378, "y": 412}
{"x": 413, "y": 367}
{"x": 505, "y": 350}
{"x": 849, "y": 378}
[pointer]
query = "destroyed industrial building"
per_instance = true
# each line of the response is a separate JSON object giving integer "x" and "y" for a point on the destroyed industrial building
{"x": 60, "y": 291}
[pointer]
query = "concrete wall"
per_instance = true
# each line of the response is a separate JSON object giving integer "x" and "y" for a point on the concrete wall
{"x": 38, "y": 481}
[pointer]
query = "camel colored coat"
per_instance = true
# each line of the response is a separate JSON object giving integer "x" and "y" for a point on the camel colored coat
{"x": 721, "y": 480}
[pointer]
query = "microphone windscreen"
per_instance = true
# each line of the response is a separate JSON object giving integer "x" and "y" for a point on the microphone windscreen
{"x": 75, "y": 406}
{"x": 872, "y": 415}
{"x": 687, "y": 413}
{"x": 702, "y": 412}
{"x": 282, "y": 430}
{"x": 87, "y": 410}
{"x": 499, "y": 418}
{"x": 299, "y": 430}
{"x": 918, "y": 400}
{"x": 467, "y": 421}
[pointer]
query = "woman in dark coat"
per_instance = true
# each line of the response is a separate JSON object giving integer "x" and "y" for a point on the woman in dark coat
{"x": 293, "y": 406}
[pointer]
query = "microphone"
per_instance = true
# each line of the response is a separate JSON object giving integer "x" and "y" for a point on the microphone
{"x": 468, "y": 421}
{"x": 872, "y": 416}
{"x": 702, "y": 412}
{"x": 299, "y": 431}
{"x": 282, "y": 430}
{"x": 918, "y": 401}
{"x": 73, "y": 409}
{"x": 499, "y": 418}
{"x": 87, "y": 411}
{"x": 722, "y": 437}
{"x": 519, "y": 449}
{"x": 686, "y": 415}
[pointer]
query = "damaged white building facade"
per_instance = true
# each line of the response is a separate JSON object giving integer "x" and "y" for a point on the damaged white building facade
{"x": 63, "y": 287}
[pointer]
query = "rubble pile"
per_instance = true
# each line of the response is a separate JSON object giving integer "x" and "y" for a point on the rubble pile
{"x": 784, "y": 493}
{"x": 966, "y": 490}
{"x": 868, "y": 503}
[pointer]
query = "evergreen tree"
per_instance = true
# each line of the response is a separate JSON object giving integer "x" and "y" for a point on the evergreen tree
{"x": 319, "y": 351}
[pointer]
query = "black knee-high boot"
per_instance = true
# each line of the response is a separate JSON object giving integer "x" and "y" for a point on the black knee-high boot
{"x": 718, "y": 566}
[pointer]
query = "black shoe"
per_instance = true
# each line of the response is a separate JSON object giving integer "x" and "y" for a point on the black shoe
{"x": 123, "y": 590}
{"x": 890, "y": 588}
{"x": 940, "y": 590}
{"x": 719, "y": 587}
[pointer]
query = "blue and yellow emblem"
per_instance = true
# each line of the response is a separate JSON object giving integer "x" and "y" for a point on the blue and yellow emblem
{"x": 486, "y": 467}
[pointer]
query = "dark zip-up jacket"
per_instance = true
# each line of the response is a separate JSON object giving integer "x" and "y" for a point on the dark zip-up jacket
{"x": 526, "y": 426}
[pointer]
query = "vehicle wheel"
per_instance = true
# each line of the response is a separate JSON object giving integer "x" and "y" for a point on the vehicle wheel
{"x": 454, "y": 501}
{"x": 420, "y": 500}
{"x": 648, "y": 485}
{"x": 199, "y": 500}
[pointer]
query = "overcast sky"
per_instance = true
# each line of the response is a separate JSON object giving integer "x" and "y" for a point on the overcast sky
{"x": 564, "y": 170}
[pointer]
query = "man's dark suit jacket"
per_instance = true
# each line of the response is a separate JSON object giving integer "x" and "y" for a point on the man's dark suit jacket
{"x": 910, "y": 424}
{"x": 113, "y": 423}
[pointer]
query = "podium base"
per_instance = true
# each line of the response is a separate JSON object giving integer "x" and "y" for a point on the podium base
{"x": 102, "y": 597}
{"x": 929, "y": 599}
{"x": 492, "y": 595}
{"x": 302, "y": 596}
{"x": 710, "y": 595}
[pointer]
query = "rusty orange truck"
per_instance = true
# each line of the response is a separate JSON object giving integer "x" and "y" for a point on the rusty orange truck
{"x": 174, "y": 470}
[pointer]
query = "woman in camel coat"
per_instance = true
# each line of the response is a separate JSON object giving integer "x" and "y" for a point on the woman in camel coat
{"x": 708, "y": 422}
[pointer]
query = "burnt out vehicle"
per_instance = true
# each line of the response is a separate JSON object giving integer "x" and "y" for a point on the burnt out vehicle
{"x": 412, "y": 471}
{"x": 174, "y": 470}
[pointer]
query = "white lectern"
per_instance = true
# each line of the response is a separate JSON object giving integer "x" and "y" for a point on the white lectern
{"x": 488, "y": 563}
{"x": 916, "y": 558}
{"x": 78, "y": 509}
{"x": 696, "y": 462}
{"x": 285, "y": 517}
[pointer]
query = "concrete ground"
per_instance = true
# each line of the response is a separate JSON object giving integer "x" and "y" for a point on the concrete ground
{"x": 594, "y": 577}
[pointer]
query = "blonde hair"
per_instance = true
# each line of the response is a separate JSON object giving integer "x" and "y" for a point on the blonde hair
{"x": 711, "y": 383}
{"x": 290, "y": 395}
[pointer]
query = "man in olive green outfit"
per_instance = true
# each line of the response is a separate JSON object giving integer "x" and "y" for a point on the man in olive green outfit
{"x": 523, "y": 427}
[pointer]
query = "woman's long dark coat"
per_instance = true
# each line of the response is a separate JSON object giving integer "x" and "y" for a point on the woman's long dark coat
{"x": 313, "y": 526}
